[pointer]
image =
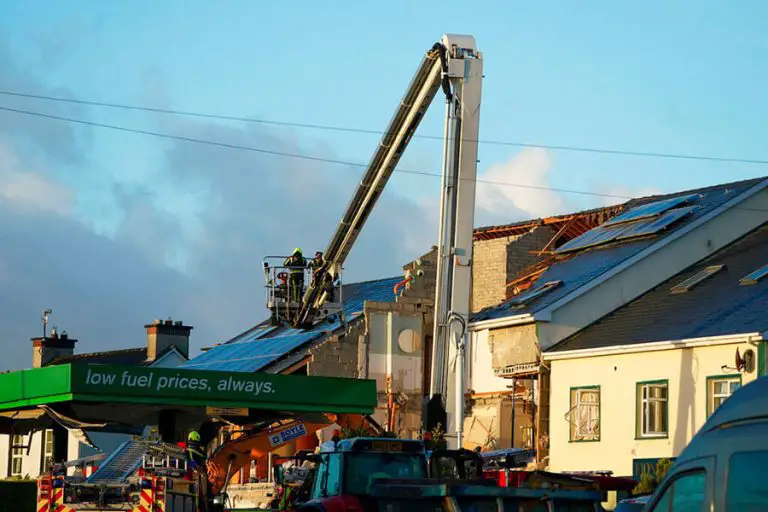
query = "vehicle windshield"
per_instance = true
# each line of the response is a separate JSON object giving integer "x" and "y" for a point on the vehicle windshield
{"x": 362, "y": 468}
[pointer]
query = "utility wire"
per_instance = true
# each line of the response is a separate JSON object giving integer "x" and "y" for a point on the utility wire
{"x": 581, "y": 149}
{"x": 292, "y": 155}
{"x": 314, "y": 158}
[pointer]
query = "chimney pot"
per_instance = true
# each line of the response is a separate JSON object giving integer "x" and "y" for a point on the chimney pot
{"x": 48, "y": 349}
{"x": 157, "y": 321}
{"x": 162, "y": 335}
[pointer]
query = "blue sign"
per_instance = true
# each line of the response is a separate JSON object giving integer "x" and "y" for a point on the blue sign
{"x": 288, "y": 434}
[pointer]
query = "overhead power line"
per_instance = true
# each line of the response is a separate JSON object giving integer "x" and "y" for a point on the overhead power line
{"x": 312, "y": 158}
{"x": 290, "y": 155}
{"x": 553, "y": 147}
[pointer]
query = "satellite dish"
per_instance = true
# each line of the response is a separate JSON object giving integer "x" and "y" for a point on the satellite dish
{"x": 746, "y": 363}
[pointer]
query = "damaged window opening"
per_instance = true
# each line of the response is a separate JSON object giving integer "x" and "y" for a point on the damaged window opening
{"x": 584, "y": 414}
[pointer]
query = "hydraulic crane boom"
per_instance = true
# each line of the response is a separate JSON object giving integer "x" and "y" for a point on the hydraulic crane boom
{"x": 446, "y": 64}
{"x": 455, "y": 64}
{"x": 409, "y": 114}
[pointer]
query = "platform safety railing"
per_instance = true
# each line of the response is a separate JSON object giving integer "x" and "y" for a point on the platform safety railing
{"x": 284, "y": 294}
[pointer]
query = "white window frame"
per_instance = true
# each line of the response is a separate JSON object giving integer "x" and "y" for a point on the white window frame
{"x": 711, "y": 395}
{"x": 644, "y": 401}
{"x": 17, "y": 454}
{"x": 46, "y": 455}
{"x": 584, "y": 415}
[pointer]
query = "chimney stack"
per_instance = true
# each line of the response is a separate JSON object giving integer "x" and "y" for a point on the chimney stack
{"x": 47, "y": 348}
{"x": 163, "y": 335}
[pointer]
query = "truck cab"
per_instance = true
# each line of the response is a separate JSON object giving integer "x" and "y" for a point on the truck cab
{"x": 722, "y": 468}
{"x": 348, "y": 470}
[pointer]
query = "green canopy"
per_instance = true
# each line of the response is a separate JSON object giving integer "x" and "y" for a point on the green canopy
{"x": 122, "y": 398}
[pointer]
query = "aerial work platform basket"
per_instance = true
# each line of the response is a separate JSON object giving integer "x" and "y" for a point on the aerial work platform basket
{"x": 286, "y": 291}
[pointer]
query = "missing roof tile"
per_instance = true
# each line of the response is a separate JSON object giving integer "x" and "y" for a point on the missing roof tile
{"x": 527, "y": 298}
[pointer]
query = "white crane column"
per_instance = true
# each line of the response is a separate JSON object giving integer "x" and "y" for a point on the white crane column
{"x": 452, "y": 305}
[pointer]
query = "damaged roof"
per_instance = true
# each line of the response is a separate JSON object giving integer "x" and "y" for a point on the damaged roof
{"x": 572, "y": 224}
{"x": 571, "y": 270}
{"x": 264, "y": 345}
{"x": 716, "y": 305}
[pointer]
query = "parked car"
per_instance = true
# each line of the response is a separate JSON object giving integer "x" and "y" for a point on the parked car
{"x": 634, "y": 504}
{"x": 723, "y": 467}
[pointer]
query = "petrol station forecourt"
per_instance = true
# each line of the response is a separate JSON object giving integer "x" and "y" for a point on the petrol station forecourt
{"x": 128, "y": 398}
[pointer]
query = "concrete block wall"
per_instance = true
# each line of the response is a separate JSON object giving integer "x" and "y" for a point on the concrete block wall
{"x": 337, "y": 356}
{"x": 489, "y": 275}
{"x": 497, "y": 262}
{"x": 521, "y": 254}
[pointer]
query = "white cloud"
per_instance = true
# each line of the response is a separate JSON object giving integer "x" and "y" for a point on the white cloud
{"x": 31, "y": 191}
{"x": 531, "y": 168}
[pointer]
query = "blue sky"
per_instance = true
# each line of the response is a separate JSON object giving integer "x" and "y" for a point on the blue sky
{"x": 677, "y": 77}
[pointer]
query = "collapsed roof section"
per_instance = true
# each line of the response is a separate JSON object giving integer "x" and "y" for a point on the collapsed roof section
{"x": 567, "y": 226}
{"x": 642, "y": 223}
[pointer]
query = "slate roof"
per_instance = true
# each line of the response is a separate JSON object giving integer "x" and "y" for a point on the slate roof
{"x": 127, "y": 357}
{"x": 716, "y": 306}
{"x": 264, "y": 345}
{"x": 578, "y": 269}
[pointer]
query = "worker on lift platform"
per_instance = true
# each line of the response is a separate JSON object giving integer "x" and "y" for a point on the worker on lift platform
{"x": 195, "y": 452}
{"x": 316, "y": 264}
{"x": 296, "y": 263}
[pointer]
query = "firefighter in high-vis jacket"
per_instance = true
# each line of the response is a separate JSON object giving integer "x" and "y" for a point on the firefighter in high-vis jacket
{"x": 296, "y": 263}
{"x": 195, "y": 452}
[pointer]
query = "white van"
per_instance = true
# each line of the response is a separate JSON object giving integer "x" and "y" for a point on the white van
{"x": 725, "y": 466}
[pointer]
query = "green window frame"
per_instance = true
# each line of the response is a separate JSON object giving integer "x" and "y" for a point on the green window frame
{"x": 584, "y": 414}
{"x": 715, "y": 395}
{"x": 652, "y": 409}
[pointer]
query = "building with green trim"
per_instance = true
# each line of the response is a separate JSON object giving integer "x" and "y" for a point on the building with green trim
{"x": 636, "y": 385}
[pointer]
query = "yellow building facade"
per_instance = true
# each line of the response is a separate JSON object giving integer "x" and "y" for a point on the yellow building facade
{"x": 617, "y": 408}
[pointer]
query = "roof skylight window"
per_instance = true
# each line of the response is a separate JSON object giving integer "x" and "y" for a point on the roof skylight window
{"x": 696, "y": 279}
{"x": 754, "y": 277}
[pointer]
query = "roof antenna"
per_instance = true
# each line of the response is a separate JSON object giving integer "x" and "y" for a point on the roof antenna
{"x": 44, "y": 318}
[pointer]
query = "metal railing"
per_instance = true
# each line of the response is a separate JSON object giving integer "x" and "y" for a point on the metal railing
{"x": 286, "y": 286}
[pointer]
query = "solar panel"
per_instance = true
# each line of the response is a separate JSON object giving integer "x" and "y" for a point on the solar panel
{"x": 624, "y": 230}
{"x": 250, "y": 356}
{"x": 597, "y": 236}
{"x": 651, "y": 209}
{"x": 655, "y": 224}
